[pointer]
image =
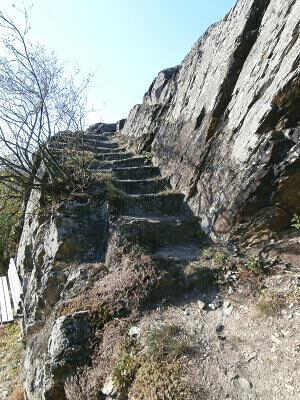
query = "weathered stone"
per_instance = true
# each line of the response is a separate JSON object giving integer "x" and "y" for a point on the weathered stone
{"x": 134, "y": 331}
{"x": 109, "y": 388}
{"x": 102, "y": 128}
{"x": 224, "y": 123}
{"x": 120, "y": 124}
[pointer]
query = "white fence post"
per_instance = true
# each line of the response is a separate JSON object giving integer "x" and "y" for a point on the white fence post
{"x": 6, "y": 313}
{"x": 15, "y": 284}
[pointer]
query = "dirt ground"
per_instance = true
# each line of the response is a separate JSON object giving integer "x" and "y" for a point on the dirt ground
{"x": 244, "y": 333}
{"x": 11, "y": 353}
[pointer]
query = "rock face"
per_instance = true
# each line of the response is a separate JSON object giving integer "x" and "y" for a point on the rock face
{"x": 90, "y": 257}
{"x": 59, "y": 256}
{"x": 224, "y": 124}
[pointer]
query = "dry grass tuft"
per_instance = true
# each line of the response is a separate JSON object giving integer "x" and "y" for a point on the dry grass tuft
{"x": 120, "y": 291}
{"x": 160, "y": 381}
{"x": 88, "y": 382}
{"x": 17, "y": 394}
{"x": 166, "y": 343}
{"x": 293, "y": 296}
{"x": 270, "y": 304}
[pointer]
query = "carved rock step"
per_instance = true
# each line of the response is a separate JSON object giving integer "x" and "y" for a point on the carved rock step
{"x": 98, "y": 149}
{"x": 144, "y": 186}
{"x": 101, "y": 143}
{"x": 129, "y": 162}
{"x": 184, "y": 252}
{"x": 105, "y": 134}
{"x": 84, "y": 136}
{"x": 152, "y": 204}
{"x": 86, "y": 145}
{"x": 97, "y": 135}
{"x": 82, "y": 139}
{"x": 103, "y": 138}
{"x": 113, "y": 156}
{"x": 155, "y": 232}
{"x": 136, "y": 173}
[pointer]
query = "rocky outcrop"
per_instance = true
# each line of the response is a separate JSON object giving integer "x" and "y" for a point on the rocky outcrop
{"x": 224, "y": 126}
{"x": 89, "y": 258}
{"x": 224, "y": 123}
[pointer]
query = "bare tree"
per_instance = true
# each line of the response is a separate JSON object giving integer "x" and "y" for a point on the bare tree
{"x": 37, "y": 101}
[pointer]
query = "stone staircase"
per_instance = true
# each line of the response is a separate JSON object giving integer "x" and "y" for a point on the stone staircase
{"x": 152, "y": 214}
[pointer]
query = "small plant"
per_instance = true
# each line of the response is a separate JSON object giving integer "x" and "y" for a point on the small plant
{"x": 135, "y": 250}
{"x": 124, "y": 369}
{"x": 200, "y": 235}
{"x": 163, "y": 343}
{"x": 293, "y": 295}
{"x": 296, "y": 222}
{"x": 270, "y": 304}
{"x": 255, "y": 265}
{"x": 220, "y": 257}
{"x": 115, "y": 196}
{"x": 148, "y": 155}
{"x": 207, "y": 253}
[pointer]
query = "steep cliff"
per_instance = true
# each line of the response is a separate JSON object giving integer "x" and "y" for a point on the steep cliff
{"x": 224, "y": 124}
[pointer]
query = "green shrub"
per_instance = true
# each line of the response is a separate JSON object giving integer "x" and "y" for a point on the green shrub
{"x": 124, "y": 371}
{"x": 220, "y": 257}
{"x": 200, "y": 235}
{"x": 296, "y": 222}
{"x": 148, "y": 155}
{"x": 255, "y": 265}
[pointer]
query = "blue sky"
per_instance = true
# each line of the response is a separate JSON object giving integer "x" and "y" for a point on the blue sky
{"x": 124, "y": 42}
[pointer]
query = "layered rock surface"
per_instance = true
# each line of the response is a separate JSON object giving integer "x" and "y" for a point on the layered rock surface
{"x": 71, "y": 258}
{"x": 224, "y": 124}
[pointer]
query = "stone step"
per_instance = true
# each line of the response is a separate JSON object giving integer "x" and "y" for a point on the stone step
{"x": 56, "y": 145}
{"x": 79, "y": 142}
{"x": 129, "y": 162}
{"x": 67, "y": 137}
{"x": 90, "y": 136}
{"x": 136, "y": 173}
{"x": 113, "y": 156}
{"x": 142, "y": 205}
{"x": 184, "y": 252}
{"x": 103, "y": 135}
{"x": 155, "y": 232}
{"x": 101, "y": 143}
{"x": 108, "y": 134}
{"x": 144, "y": 186}
{"x": 99, "y": 150}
